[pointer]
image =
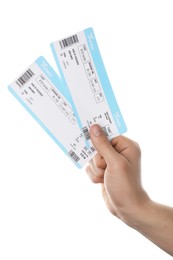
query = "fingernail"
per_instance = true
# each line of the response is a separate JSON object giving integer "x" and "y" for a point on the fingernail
{"x": 96, "y": 130}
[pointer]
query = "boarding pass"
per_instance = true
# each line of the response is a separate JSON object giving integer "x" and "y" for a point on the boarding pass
{"x": 41, "y": 92}
{"x": 82, "y": 70}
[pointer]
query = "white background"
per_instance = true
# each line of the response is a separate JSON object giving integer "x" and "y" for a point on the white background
{"x": 48, "y": 208}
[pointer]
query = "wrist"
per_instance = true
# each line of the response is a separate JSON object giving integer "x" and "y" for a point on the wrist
{"x": 154, "y": 221}
{"x": 135, "y": 213}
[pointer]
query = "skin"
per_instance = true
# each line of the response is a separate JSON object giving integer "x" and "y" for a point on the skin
{"x": 117, "y": 167}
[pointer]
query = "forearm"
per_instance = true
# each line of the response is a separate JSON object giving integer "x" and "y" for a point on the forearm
{"x": 154, "y": 221}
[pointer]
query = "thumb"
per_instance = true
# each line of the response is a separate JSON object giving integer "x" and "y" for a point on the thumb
{"x": 102, "y": 144}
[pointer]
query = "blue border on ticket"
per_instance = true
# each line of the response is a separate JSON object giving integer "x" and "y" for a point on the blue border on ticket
{"x": 53, "y": 77}
{"x": 107, "y": 88}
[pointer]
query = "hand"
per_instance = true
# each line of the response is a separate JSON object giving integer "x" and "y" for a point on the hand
{"x": 117, "y": 167}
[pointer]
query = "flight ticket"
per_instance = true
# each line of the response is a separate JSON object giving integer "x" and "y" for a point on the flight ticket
{"x": 40, "y": 91}
{"x": 81, "y": 67}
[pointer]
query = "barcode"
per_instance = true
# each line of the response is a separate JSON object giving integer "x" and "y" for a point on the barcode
{"x": 68, "y": 41}
{"x": 86, "y": 133}
{"x": 92, "y": 149}
{"x": 107, "y": 130}
{"x": 25, "y": 77}
{"x": 74, "y": 156}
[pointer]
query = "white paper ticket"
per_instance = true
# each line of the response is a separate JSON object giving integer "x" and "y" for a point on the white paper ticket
{"x": 40, "y": 91}
{"x": 83, "y": 72}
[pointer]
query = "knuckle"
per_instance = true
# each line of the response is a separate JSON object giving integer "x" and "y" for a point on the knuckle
{"x": 99, "y": 163}
{"x": 92, "y": 176}
{"x": 96, "y": 179}
{"x": 137, "y": 149}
